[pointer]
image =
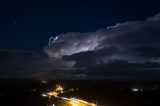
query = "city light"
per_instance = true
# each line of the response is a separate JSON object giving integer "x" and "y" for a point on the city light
{"x": 70, "y": 101}
{"x": 137, "y": 90}
{"x": 54, "y": 93}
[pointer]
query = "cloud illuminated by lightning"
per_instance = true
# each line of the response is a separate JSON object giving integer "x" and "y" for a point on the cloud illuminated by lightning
{"x": 72, "y": 42}
{"x": 132, "y": 41}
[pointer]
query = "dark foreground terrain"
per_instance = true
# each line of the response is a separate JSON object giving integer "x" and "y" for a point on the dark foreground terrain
{"x": 103, "y": 93}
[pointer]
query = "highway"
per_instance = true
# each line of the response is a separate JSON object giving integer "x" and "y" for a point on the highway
{"x": 66, "y": 101}
{"x": 76, "y": 102}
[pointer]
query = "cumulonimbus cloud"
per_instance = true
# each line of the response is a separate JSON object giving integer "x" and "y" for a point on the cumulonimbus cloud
{"x": 125, "y": 50}
{"x": 73, "y": 42}
{"x": 129, "y": 38}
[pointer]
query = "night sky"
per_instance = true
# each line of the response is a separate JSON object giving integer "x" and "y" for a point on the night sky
{"x": 119, "y": 37}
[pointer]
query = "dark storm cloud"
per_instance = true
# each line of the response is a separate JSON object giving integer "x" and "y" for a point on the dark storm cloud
{"x": 149, "y": 52}
{"x": 121, "y": 69}
{"x": 129, "y": 50}
{"x": 26, "y": 64}
{"x": 124, "y": 37}
{"x": 90, "y": 58}
{"x": 126, "y": 50}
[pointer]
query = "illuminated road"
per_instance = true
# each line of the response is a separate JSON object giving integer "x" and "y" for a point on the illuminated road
{"x": 66, "y": 101}
{"x": 76, "y": 102}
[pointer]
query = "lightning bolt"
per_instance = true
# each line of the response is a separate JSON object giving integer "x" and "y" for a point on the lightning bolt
{"x": 52, "y": 40}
